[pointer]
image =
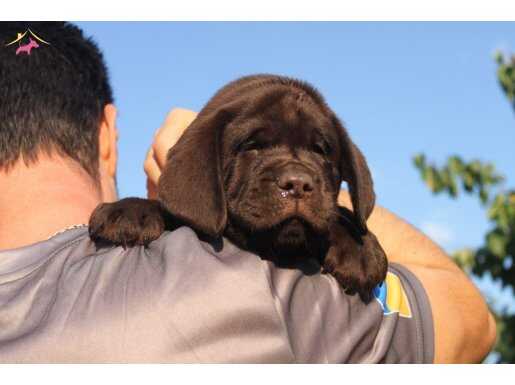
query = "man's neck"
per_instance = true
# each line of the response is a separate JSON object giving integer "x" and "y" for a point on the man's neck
{"x": 39, "y": 200}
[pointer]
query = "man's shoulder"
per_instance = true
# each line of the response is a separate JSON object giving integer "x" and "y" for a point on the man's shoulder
{"x": 71, "y": 255}
{"x": 176, "y": 258}
{"x": 203, "y": 296}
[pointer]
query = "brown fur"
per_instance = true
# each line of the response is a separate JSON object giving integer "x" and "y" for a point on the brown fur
{"x": 262, "y": 165}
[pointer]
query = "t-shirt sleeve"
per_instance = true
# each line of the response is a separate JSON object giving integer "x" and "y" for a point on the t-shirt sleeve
{"x": 325, "y": 325}
{"x": 407, "y": 313}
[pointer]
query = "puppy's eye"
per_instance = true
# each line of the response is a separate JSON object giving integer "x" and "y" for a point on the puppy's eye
{"x": 321, "y": 148}
{"x": 250, "y": 145}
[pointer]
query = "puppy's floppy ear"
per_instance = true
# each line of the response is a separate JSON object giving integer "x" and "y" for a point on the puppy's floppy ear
{"x": 355, "y": 172}
{"x": 190, "y": 186}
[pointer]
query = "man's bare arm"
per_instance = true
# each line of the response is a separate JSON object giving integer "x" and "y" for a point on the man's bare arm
{"x": 464, "y": 327}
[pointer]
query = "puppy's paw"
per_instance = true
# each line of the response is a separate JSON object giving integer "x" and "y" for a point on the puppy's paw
{"x": 358, "y": 266}
{"x": 127, "y": 222}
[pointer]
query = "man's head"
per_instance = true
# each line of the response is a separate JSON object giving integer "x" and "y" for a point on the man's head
{"x": 265, "y": 156}
{"x": 57, "y": 100}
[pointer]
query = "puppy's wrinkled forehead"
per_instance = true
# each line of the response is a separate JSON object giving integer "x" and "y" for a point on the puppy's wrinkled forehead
{"x": 284, "y": 116}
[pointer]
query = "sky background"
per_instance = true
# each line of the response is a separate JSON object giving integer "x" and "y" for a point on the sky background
{"x": 401, "y": 88}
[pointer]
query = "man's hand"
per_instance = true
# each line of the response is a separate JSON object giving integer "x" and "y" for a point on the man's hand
{"x": 166, "y": 136}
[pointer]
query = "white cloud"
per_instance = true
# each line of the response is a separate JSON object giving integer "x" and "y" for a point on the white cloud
{"x": 438, "y": 232}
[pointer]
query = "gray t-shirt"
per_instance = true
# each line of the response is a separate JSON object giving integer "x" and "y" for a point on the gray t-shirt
{"x": 179, "y": 300}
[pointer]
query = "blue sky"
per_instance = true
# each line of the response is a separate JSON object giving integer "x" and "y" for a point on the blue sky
{"x": 401, "y": 88}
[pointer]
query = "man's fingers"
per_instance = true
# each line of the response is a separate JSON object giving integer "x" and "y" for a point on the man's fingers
{"x": 165, "y": 137}
{"x": 151, "y": 167}
{"x": 180, "y": 115}
{"x": 163, "y": 142}
{"x": 169, "y": 133}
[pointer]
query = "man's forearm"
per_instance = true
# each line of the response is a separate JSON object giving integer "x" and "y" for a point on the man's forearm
{"x": 464, "y": 328}
{"x": 402, "y": 242}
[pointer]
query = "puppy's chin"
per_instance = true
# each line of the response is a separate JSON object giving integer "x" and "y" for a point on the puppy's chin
{"x": 292, "y": 234}
{"x": 293, "y": 243}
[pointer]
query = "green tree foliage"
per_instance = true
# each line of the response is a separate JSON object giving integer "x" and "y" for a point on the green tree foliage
{"x": 495, "y": 256}
{"x": 506, "y": 75}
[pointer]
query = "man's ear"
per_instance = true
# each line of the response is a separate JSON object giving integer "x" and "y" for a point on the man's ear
{"x": 355, "y": 172}
{"x": 191, "y": 185}
{"x": 107, "y": 140}
{"x": 108, "y": 154}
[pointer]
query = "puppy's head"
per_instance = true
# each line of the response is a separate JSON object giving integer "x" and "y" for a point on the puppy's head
{"x": 268, "y": 156}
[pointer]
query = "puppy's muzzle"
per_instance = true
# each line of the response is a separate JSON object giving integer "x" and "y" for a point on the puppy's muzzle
{"x": 295, "y": 181}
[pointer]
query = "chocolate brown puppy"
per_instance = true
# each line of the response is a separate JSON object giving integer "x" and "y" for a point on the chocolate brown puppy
{"x": 262, "y": 165}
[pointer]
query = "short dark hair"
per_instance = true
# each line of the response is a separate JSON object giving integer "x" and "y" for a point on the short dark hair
{"x": 53, "y": 99}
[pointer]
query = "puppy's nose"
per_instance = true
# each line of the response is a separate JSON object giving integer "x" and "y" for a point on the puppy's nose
{"x": 295, "y": 182}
